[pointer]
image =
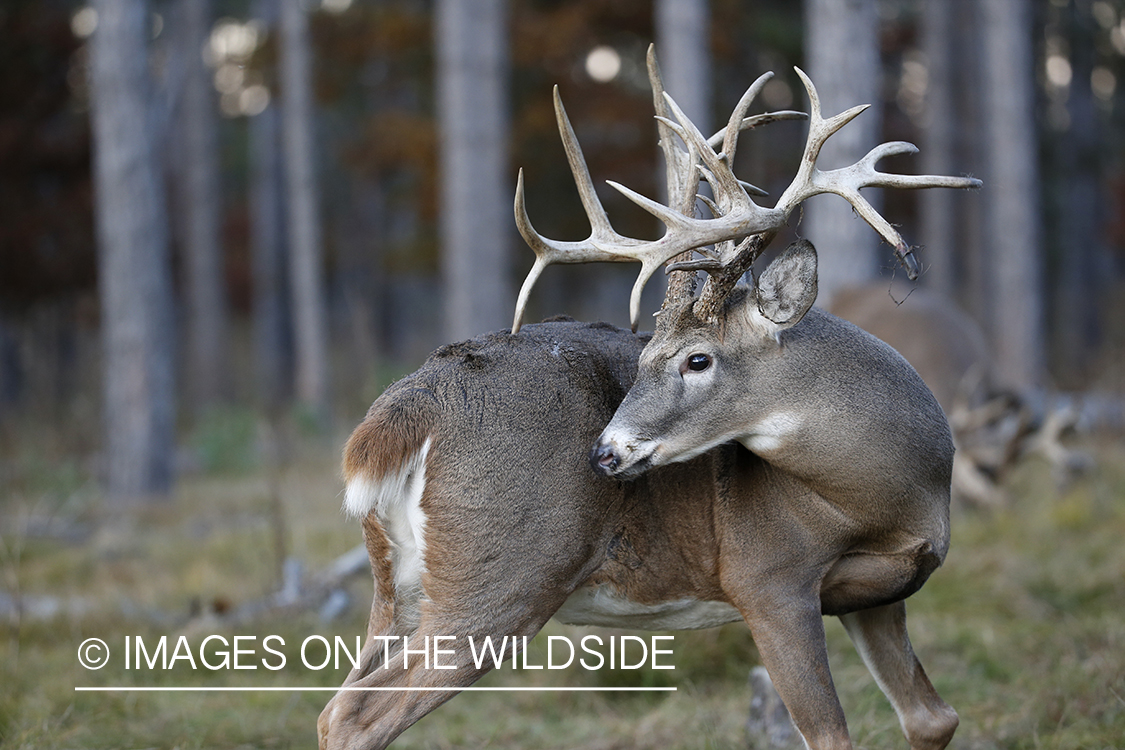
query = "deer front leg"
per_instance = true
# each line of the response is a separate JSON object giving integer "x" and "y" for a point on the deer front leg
{"x": 880, "y": 637}
{"x": 789, "y": 633}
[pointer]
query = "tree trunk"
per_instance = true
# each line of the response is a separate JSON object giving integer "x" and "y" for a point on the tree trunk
{"x": 937, "y": 207}
{"x": 966, "y": 56}
{"x": 842, "y": 55}
{"x": 207, "y": 319}
{"x": 272, "y": 333}
{"x": 1011, "y": 182}
{"x": 1080, "y": 256}
{"x": 134, "y": 277}
{"x": 306, "y": 263}
{"x": 273, "y": 345}
{"x": 683, "y": 41}
{"x": 476, "y": 200}
{"x": 359, "y": 274}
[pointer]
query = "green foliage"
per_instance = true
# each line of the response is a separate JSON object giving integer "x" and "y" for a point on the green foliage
{"x": 223, "y": 440}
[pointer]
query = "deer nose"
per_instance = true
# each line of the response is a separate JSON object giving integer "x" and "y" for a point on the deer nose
{"x": 604, "y": 459}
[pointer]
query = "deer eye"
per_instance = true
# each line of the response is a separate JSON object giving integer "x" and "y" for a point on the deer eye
{"x": 698, "y": 362}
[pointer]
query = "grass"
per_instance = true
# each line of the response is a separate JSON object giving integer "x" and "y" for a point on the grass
{"x": 1022, "y": 630}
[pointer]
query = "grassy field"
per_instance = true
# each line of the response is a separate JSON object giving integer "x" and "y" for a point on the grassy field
{"x": 1022, "y": 630}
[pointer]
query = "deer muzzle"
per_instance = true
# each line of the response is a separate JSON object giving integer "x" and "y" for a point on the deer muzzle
{"x": 621, "y": 459}
{"x": 604, "y": 458}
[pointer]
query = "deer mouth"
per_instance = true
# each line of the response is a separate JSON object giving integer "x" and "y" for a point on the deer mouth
{"x": 623, "y": 460}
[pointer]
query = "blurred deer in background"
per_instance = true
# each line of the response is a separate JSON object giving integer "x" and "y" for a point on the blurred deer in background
{"x": 993, "y": 428}
{"x": 781, "y": 464}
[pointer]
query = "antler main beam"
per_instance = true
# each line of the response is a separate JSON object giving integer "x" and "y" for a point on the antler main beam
{"x": 736, "y": 217}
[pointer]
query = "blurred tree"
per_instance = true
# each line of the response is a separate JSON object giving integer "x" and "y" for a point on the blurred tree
{"x": 971, "y": 273}
{"x": 938, "y": 227}
{"x": 842, "y": 58}
{"x": 306, "y": 261}
{"x": 134, "y": 266}
{"x": 471, "y": 46}
{"x": 1011, "y": 176}
{"x": 273, "y": 355}
{"x": 375, "y": 96}
{"x": 950, "y": 223}
{"x": 683, "y": 39}
{"x": 48, "y": 259}
{"x": 1080, "y": 263}
{"x": 200, "y": 194}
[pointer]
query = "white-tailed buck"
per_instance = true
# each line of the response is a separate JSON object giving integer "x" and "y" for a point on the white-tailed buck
{"x": 754, "y": 459}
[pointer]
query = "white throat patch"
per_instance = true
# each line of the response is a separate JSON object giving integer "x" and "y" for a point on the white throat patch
{"x": 772, "y": 432}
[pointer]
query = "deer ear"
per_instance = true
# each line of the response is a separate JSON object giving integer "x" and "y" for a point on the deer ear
{"x": 787, "y": 289}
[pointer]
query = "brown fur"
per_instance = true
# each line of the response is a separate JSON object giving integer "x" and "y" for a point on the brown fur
{"x": 379, "y": 552}
{"x": 389, "y": 434}
{"x": 940, "y": 341}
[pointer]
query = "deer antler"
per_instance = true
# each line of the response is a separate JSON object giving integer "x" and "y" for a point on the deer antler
{"x": 736, "y": 218}
{"x": 684, "y": 233}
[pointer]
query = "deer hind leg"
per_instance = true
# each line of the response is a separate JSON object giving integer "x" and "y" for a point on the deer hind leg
{"x": 400, "y": 682}
{"x": 402, "y": 688}
{"x": 391, "y": 616}
{"x": 880, "y": 637}
{"x": 389, "y": 690}
{"x": 422, "y": 598}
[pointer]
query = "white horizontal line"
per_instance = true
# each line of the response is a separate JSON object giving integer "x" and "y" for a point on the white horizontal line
{"x": 368, "y": 689}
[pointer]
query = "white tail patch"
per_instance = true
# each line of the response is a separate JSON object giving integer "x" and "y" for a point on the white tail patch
{"x": 364, "y": 494}
{"x": 396, "y": 500}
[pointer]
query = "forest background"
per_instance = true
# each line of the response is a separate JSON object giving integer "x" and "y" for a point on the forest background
{"x": 320, "y": 194}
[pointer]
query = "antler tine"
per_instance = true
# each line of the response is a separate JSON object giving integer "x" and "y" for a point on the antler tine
{"x": 820, "y": 130}
{"x": 678, "y": 163}
{"x": 728, "y": 191}
{"x": 736, "y": 217}
{"x": 723, "y": 279}
{"x": 734, "y": 124}
{"x": 599, "y": 221}
{"x": 603, "y": 244}
{"x": 847, "y": 181}
{"x": 680, "y": 178}
{"x": 730, "y": 196}
{"x": 601, "y": 232}
{"x": 755, "y": 121}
